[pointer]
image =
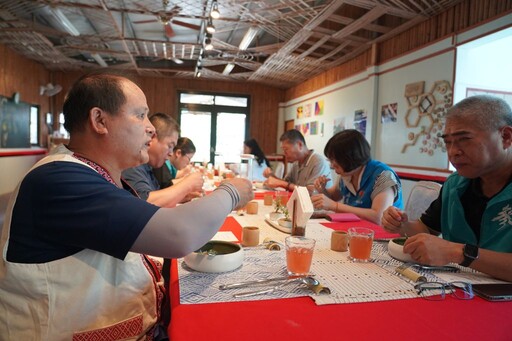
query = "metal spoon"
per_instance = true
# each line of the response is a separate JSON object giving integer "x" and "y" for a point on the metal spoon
{"x": 309, "y": 281}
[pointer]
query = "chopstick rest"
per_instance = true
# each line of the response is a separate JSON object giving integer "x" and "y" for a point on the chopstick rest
{"x": 407, "y": 272}
{"x": 272, "y": 245}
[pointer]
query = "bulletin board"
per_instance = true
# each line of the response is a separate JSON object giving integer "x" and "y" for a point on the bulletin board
{"x": 14, "y": 124}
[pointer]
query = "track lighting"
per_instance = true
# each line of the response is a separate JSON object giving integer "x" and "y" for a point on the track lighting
{"x": 210, "y": 28}
{"x": 215, "y": 14}
{"x": 208, "y": 44}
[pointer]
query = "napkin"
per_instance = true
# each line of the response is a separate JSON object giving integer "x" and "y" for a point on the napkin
{"x": 380, "y": 233}
{"x": 342, "y": 217}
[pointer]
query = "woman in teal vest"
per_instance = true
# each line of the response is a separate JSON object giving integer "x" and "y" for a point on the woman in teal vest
{"x": 366, "y": 187}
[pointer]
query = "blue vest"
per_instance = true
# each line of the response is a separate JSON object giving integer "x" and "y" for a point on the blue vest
{"x": 363, "y": 197}
{"x": 496, "y": 224}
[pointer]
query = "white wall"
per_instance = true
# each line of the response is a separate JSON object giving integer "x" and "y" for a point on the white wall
{"x": 435, "y": 69}
{"x": 340, "y": 101}
{"x": 13, "y": 168}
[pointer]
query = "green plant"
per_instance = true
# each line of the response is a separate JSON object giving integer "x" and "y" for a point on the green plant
{"x": 278, "y": 207}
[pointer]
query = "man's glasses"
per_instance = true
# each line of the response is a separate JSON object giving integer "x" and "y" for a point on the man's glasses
{"x": 436, "y": 291}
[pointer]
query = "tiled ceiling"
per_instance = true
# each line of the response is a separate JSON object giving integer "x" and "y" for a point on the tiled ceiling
{"x": 286, "y": 41}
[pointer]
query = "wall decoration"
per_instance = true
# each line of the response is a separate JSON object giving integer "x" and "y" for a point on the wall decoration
{"x": 14, "y": 124}
{"x": 319, "y": 107}
{"x": 305, "y": 129}
{"x": 425, "y": 115}
{"x": 307, "y": 110}
{"x": 299, "y": 112}
{"x": 360, "y": 121}
{"x": 339, "y": 125}
{"x": 388, "y": 113}
{"x": 313, "y": 128}
{"x": 414, "y": 89}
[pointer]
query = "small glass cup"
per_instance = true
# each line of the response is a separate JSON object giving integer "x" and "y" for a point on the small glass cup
{"x": 360, "y": 243}
{"x": 299, "y": 255}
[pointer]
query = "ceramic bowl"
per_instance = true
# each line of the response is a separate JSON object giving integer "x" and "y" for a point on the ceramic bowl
{"x": 396, "y": 249}
{"x": 284, "y": 223}
{"x": 275, "y": 215}
{"x": 216, "y": 256}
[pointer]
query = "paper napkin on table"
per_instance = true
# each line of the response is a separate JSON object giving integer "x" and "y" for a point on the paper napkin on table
{"x": 341, "y": 217}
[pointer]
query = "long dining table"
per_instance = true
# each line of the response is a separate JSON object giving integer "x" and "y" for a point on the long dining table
{"x": 301, "y": 318}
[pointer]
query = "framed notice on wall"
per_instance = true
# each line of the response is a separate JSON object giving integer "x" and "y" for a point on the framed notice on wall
{"x": 14, "y": 124}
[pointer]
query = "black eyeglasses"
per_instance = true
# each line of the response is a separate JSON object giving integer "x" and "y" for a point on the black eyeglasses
{"x": 436, "y": 291}
{"x": 188, "y": 157}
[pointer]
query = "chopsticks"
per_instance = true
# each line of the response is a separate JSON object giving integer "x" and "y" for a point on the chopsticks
{"x": 257, "y": 282}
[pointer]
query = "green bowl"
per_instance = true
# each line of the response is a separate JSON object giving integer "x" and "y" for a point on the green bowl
{"x": 216, "y": 256}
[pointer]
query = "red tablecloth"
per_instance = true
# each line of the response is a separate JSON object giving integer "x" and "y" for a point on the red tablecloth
{"x": 300, "y": 319}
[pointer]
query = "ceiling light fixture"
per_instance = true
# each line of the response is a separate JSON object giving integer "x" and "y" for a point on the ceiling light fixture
{"x": 215, "y": 14}
{"x": 210, "y": 28}
{"x": 208, "y": 46}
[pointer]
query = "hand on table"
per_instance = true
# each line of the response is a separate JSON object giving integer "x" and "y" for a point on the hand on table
{"x": 427, "y": 249}
{"x": 322, "y": 202}
{"x": 267, "y": 172}
{"x": 192, "y": 195}
{"x": 195, "y": 182}
{"x": 184, "y": 171}
{"x": 273, "y": 182}
{"x": 392, "y": 219}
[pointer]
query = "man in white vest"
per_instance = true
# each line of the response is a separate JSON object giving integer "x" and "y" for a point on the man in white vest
{"x": 74, "y": 237}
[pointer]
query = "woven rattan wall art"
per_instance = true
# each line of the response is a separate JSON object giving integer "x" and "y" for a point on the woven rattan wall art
{"x": 425, "y": 115}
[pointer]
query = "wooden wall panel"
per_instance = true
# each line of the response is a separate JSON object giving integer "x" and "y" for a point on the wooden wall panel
{"x": 161, "y": 95}
{"x": 19, "y": 74}
{"x": 336, "y": 74}
{"x": 462, "y": 16}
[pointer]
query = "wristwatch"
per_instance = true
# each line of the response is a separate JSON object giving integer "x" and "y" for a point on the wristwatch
{"x": 470, "y": 253}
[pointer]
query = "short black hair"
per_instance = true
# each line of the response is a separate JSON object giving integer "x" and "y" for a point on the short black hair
{"x": 102, "y": 90}
{"x": 185, "y": 145}
{"x": 164, "y": 125}
{"x": 349, "y": 149}
{"x": 292, "y": 136}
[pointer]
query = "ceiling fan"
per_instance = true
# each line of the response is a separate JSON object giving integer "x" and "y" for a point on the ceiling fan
{"x": 166, "y": 18}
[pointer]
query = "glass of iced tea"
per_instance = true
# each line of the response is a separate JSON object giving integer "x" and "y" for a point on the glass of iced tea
{"x": 282, "y": 196}
{"x": 299, "y": 255}
{"x": 360, "y": 241}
